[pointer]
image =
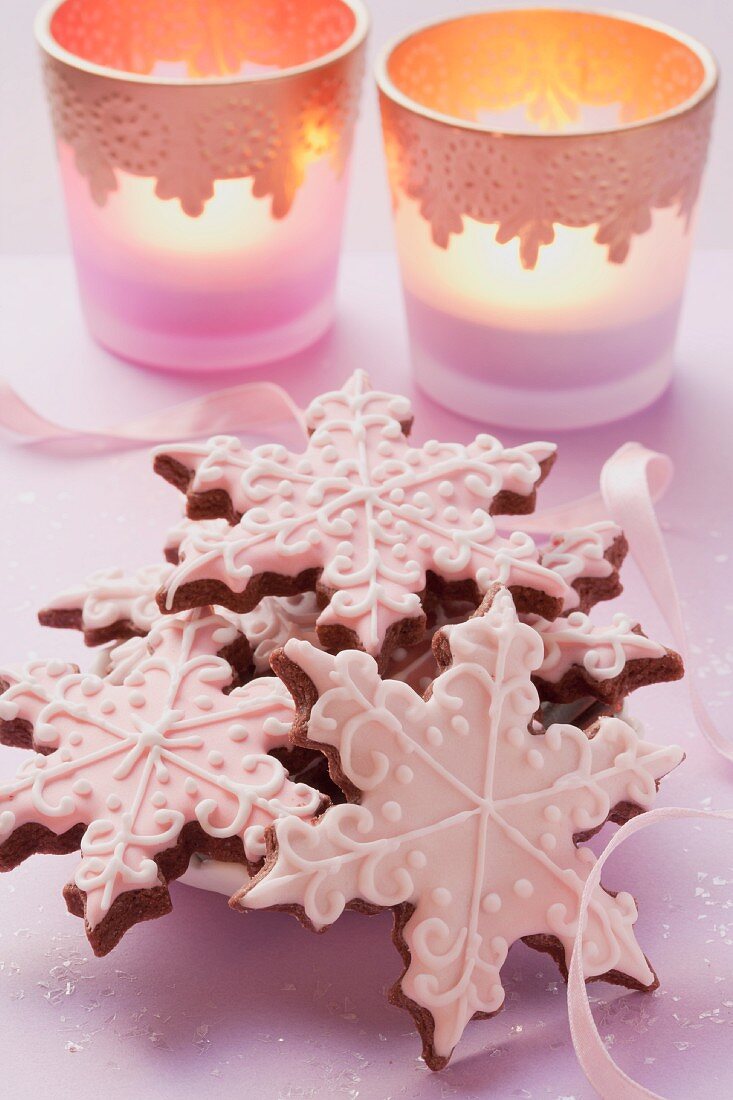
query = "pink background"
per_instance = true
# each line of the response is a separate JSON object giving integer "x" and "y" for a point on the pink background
{"x": 207, "y": 1000}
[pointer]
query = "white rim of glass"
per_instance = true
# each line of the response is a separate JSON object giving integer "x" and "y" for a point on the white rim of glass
{"x": 707, "y": 86}
{"x": 48, "y": 43}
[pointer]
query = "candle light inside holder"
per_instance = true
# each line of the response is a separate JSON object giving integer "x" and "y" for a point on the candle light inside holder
{"x": 204, "y": 148}
{"x": 545, "y": 167}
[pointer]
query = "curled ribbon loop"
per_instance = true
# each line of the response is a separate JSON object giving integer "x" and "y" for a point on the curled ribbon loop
{"x": 599, "y": 1067}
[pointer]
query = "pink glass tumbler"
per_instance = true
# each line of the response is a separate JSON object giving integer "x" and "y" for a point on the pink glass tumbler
{"x": 204, "y": 149}
{"x": 545, "y": 167}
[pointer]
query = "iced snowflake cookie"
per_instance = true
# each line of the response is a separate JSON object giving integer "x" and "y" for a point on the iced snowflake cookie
{"x": 24, "y": 692}
{"x": 606, "y": 662}
{"x": 374, "y": 525}
{"x": 581, "y": 660}
{"x": 141, "y": 773}
{"x": 588, "y": 559}
{"x": 114, "y": 606}
{"x": 110, "y": 606}
{"x": 462, "y": 821}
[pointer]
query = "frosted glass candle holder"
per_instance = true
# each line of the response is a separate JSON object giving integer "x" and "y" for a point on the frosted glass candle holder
{"x": 545, "y": 167}
{"x": 204, "y": 147}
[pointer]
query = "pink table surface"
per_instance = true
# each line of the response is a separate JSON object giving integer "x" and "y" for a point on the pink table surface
{"x": 206, "y": 1000}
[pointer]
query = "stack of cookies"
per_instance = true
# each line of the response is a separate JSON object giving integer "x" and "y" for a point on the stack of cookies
{"x": 352, "y": 681}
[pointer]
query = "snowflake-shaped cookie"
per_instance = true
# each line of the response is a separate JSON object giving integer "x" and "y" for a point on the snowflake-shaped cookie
{"x": 588, "y": 559}
{"x": 363, "y": 517}
{"x": 24, "y": 692}
{"x": 144, "y": 772}
{"x": 606, "y": 662}
{"x": 581, "y": 660}
{"x": 112, "y": 605}
{"x": 460, "y": 819}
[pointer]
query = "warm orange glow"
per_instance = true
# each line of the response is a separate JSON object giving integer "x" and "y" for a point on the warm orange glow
{"x": 573, "y": 287}
{"x": 231, "y": 220}
{"x": 215, "y": 38}
{"x": 540, "y": 70}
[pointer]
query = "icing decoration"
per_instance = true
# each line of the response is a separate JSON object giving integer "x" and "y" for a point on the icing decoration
{"x": 274, "y": 621}
{"x": 602, "y": 651}
{"x": 110, "y": 604}
{"x": 185, "y": 527}
{"x": 363, "y": 513}
{"x": 601, "y": 654}
{"x": 133, "y": 763}
{"x": 461, "y": 820}
{"x": 24, "y": 692}
{"x": 580, "y": 554}
{"x": 110, "y": 599}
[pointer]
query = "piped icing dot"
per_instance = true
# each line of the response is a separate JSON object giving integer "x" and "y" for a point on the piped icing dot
{"x": 451, "y": 515}
{"x": 113, "y": 802}
{"x": 136, "y": 699}
{"x": 434, "y": 736}
{"x": 159, "y": 799}
{"x": 499, "y": 946}
{"x": 523, "y": 888}
{"x": 441, "y": 896}
{"x": 82, "y": 787}
{"x": 215, "y": 758}
{"x": 424, "y": 542}
{"x": 416, "y": 859}
{"x": 404, "y": 775}
{"x": 548, "y": 842}
{"x": 552, "y": 813}
{"x": 460, "y": 725}
{"x": 238, "y": 732}
{"x": 204, "y": 702}
{"x": 397, "y": 496}
{"x": 446, "y": 489}
{"x": 191, "y": 787}
{"x": 75, "y": 738}
{"x": 491, "y": 903}
{"x": 535, "y": 759}
{"x": 56, "y": 668}
{"x": 392, "y": 811}
{"x": 91, "y": 685}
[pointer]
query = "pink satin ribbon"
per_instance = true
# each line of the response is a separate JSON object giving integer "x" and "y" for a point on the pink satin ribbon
{"x": 631, "y": 481}
{"x": 251, "y": 407}
{"x": 599, "y": 1067}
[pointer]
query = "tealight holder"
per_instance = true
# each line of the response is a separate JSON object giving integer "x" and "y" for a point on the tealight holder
{"x": 204, "y": 148}
{"x": 545, "y": 167}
